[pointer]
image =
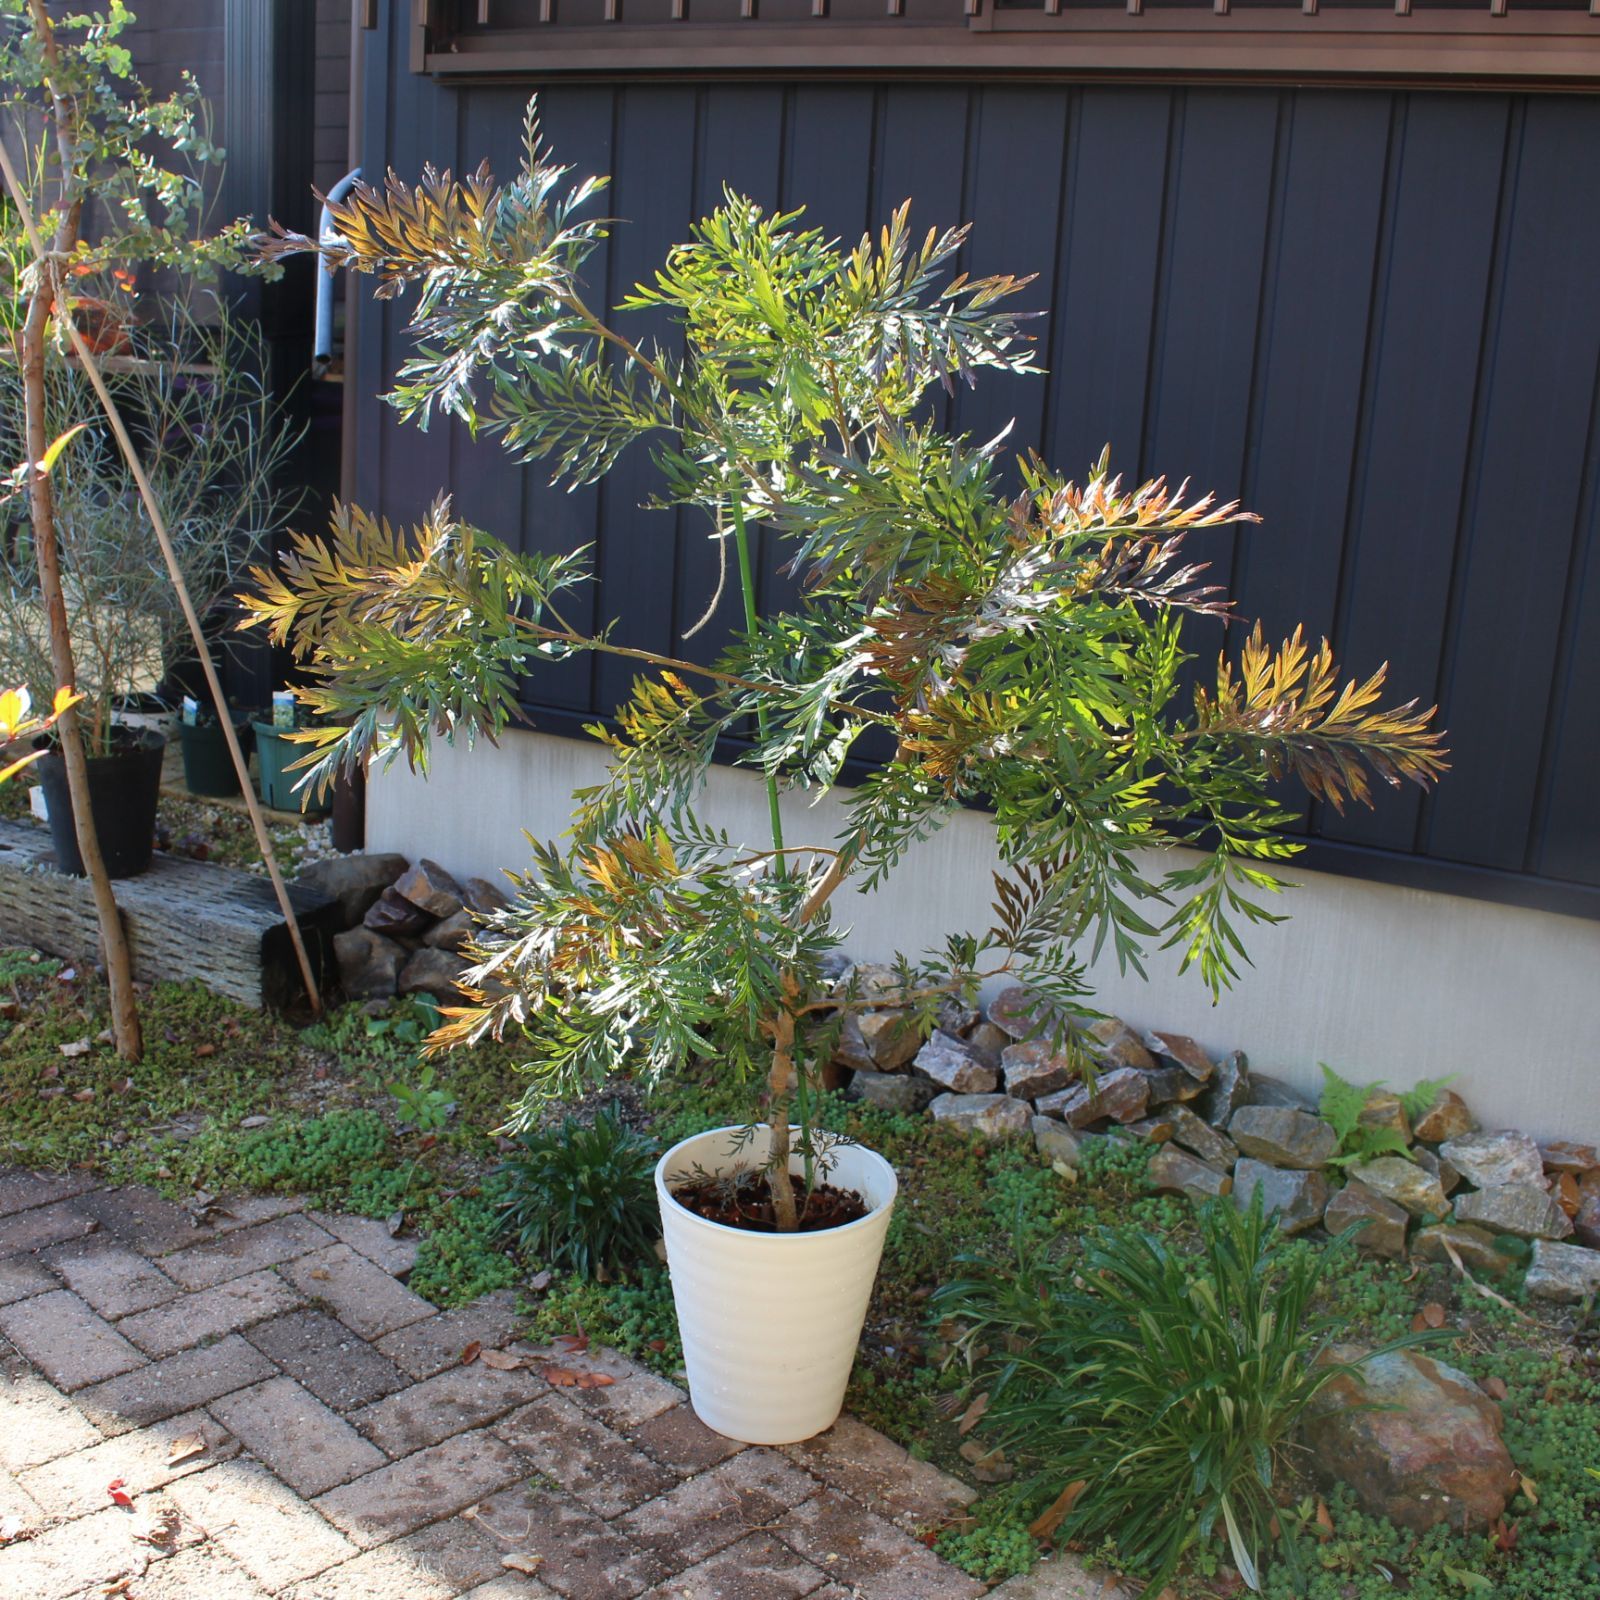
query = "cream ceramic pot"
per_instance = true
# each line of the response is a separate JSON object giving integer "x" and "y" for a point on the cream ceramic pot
{"x": 770, "y": 1321}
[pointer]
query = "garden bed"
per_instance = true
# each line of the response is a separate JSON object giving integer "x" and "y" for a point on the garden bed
{"x": 228, "y": 1100}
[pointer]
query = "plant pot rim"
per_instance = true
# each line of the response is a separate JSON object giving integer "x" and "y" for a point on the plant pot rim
{"x": 778, "y": 1241}
{"x": 135, "y": 738}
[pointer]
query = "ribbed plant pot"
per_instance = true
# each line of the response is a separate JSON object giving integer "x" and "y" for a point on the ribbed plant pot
{"x": 770, "y": 1321}
{"x": 276, "y": 753}
{"x": 208, "y": 767}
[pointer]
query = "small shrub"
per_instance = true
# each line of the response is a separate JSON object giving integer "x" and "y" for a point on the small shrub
{"x": 1343, "y": 1102}
{"x": 1166, "y": 1384}
{"x": 582, "y": 1199}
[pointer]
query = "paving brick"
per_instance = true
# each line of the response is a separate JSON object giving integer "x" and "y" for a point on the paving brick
{"x": 372, "y": 1239}
{"x": 202, "y": 1573}
{"x": 18, "y": 1506}
{"x": 436, "y": 1408}
{"x": 77, "y": 1556}
{"x": 399, "y": 1499}
{"x": 184, "y": 1322}
{"x": 757, "y": 1568}
{"x": 584, "y": 1558}
{"x": 40, "y": 1424}
{"x": 1063, "y": 1577}
{"x": 115, "y": 1280}
{"x": 66, "y": 1341}
{"x": 363, "y": 1297}
{"x": 680, "y": 1440}
{"x": 273, "y": 1534}
{"x": 245, "y": 1250}
{"x": 338, "y": 1368}
{"x": 440, "y": 1560}
{"x": 21, "y": 1276}
{"x": 189, "y": 1379}
{"x": 586, "y": 1458}
{"x": 381, "y": 1574}
{"x": 75, "y": 1485}
{"x": 155, "y": 1226}
{"x": 426, "y": 1348}
{"x": 511, "y": 1586}
{"x": 880, "y": 1474}
{"x": 297, "y": 1436}
{"x": 21, "y": 1190}
{"x": 634, "y": 1395}
{"x": 699, "y": 1517}
{"x": 24, "y": 1231}
{"x": 858, "y": 1550}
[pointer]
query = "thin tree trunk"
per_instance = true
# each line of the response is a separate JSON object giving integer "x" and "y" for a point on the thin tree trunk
{"x": 780, "y": 1082}
{"x": 113, "y": 937}
{"x": 119, "y": 968}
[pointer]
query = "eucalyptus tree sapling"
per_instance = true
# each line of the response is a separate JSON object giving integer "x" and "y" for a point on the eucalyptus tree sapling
{"x": 1021, "y": 650}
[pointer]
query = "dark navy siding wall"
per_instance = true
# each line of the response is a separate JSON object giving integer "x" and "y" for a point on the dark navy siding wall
{"x": 1371, "y": 315}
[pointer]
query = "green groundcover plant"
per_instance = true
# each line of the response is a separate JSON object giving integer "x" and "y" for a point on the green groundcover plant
{"x": 1015, "y": 639}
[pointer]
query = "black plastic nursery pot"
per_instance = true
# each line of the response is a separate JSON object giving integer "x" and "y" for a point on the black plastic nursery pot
{"x": 123, "y": 790}
{"x": 207, "y": 767}
{"x": 275, "y": 754}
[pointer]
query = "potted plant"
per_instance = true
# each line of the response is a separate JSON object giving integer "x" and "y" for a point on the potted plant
{"x": 207, "y": 766}
{"x": 212, "y": 441}
{"x": 277, "y": 751}
{"x": 1011, "y": 641}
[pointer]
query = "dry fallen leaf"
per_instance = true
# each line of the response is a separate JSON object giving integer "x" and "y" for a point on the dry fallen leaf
{"x": 78, "y": 1047}
{"x": 1495, "y": 1388}
{"x": 1051, "y": 1518}
{"x": 973, "y": 1415}
{"x": 160, "y": 1529}
{"x": 119, "y": 1493}
{"x": 321, "y": 1274}
{"x": 12, "y": 1530}
{"x": 502, "y": 1360}
{"x": 540, "y": 1281}
{"x": 1433, "y": 1314}
{"x": 82, "y": 1095}
{"x": 1324, "y": 1521}
{"x": 1529, "y": 1487}
{"x": 522, "y": 1563}
{"x": 204, "y": 1050}
{"x": 394, "y": 1222}
{"x": 573, "y": 1343}
{"x": 185, "y": 1447}
{"x": 471, "y": 1353}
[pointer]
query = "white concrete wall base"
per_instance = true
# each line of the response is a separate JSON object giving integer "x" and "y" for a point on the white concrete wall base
{"x": 1377, "y": 982}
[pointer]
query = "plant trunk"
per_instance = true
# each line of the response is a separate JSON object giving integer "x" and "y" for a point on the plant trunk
{"x": 781, "y": 1084}
{"x": 119, "y": 969}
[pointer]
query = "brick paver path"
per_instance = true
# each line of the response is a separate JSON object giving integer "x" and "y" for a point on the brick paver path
{"x": 280, "y": 1415}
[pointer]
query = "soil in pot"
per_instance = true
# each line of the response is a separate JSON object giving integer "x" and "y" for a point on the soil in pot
{"x": 123, "y": 790}
{"x": 743, "y": 1200}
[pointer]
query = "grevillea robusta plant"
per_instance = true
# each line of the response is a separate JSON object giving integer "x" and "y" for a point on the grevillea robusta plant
{"x": 1016, "y": 639}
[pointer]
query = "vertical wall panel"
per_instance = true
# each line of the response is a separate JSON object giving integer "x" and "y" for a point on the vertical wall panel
{"x": 1367, "y": 314}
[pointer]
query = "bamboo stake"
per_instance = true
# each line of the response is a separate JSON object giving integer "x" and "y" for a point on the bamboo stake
{"x": 158, "y": 522}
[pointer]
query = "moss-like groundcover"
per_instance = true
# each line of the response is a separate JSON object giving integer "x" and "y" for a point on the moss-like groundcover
{"x": 230, "y": 1100}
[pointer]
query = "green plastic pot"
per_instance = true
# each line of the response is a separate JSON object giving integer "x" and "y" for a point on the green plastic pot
{"x": 207, "y": 767}
{"x": 275, "y": 754}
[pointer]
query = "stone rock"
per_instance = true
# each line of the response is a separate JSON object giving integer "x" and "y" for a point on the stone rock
{"x": 957, "y": 1017}
{"x": 354, "y": 882}
{"x": 1227, "y": 1091}
{"x": 1115, "y": 1044}
{"x": 452, "y": 933}
{"x": 1562, "y": 1155}
{"x": 435, "y": 972}
{"x": 428, "y": 885}
{"x": 369, "y": 964}
{"x": 1055, "y": 1141}
{"x": 869, "y": 980}
{"x": 1384, "y": 1110}
{"x": 1295, "y": 1197}
{"x": 1449, "y": 1178}
{"x": 1383, "y": 1224}
{"x": 1524, "y": 1209}
{"x": 989, "y": 1041}
{"x": 1174, "y": 1171}
{"x": 1407, "y": 1184}
{"x": 891, "y": 1038}
{"x": 892, "y": 1091}
{"x": 1195, "y": 1134}
{"x": 1447, "y": 1118}
{"x": 1034, "y": 1069}
{"x": 992, "y": 1116}
{"x": 953, "y": 1064}
{"x": 1476, "y": 1247}
{"x": 1563, "y": 1272}
{"x": 392, "y": 914}
{"x": 1269, "y": 1091}
{"x": 1284, "y": 1136}
{"x": 1153, "y": 1130}
{"x": 1018, "y": 1014}
{"x": 1431, "y": 1454}
{"x": 1121, "y": 1095}
{"x": 851, "y": 1049}
{"x": 1586, "y": 1220}
{"x": 1564, "y": 1191}
{"x": 1182, "y": 1050}
{"x": 1485, "y": 1159}
{"x": 1171, "y": 1084}
{"x": 479, "y": 895}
